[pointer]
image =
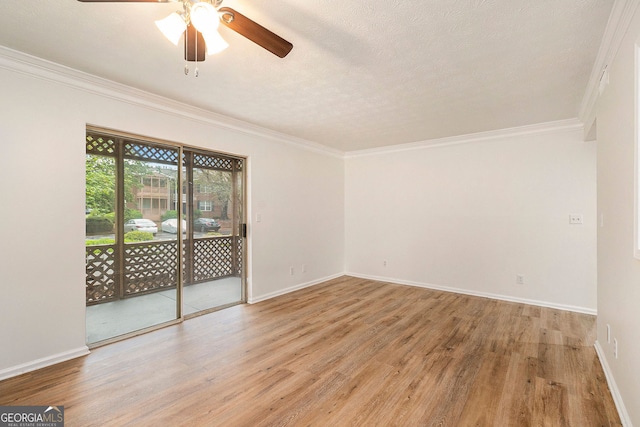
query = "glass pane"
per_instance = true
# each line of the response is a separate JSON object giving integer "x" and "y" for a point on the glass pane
{"x": 102, "y": 287}
{"x": 99, "y": 225}
{"x": 144, "y": 254}
{"x": 213, "y": 277}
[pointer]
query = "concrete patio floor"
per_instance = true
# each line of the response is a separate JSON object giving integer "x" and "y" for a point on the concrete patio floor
{"x": 108, "y": 320}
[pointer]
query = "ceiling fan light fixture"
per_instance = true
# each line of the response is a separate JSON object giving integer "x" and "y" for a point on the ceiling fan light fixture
{"x": 215, "y": 43}
{"x": 204, "y": 17}
{"x": 172, "y": 27}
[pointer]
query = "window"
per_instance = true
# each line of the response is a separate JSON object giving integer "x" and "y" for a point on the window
{"x": 205, "y": 205}
{"x": 154, "y": 182}
{"x": 153, "y": 203}
{"x": 203, "y": 188}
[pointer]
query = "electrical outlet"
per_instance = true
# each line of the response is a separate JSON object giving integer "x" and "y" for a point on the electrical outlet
{"x": 520, "y": 279}
{"x": 615, "y": 348}
{"x": 291, "y": 271}
{"x": 384, "y": 262}
{"x": 575, "y": 219}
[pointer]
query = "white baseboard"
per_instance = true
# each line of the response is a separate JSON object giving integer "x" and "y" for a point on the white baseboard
{"x": 43, "y": 363}
{"x": 615, "y": 393}
{"x": 546, "y": 304}
{"x": 264, "y": 297}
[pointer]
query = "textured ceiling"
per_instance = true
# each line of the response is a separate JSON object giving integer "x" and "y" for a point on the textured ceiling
{"x": 362, "y": 74}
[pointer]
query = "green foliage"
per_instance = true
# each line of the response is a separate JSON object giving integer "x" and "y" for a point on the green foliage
{"x": 138, "y": 236}
{"x": 130, "y": 237}
{"x": 197, "y": 213}
{"x": 132, "y": 214}
{"x": 100, "y": 183}
{"x": 128, "y": 214}
{"x": 169, "y": 215}
{"x": 103, "y": 241}
{"x": 95, "y": 214}
{"x": 97, "y": 223}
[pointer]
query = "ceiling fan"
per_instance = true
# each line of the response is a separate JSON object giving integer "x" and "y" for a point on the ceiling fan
{"x": 199, "y": 20}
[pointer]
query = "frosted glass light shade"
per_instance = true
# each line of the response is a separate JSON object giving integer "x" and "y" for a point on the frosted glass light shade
{"x": 173, "y": 26}
{"x": 215, "y": 43}
{"x": 204, "y": 17}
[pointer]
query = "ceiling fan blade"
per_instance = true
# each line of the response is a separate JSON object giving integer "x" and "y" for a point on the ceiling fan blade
{"x": 255, "y": 32}
{"x": 194, "y": 45}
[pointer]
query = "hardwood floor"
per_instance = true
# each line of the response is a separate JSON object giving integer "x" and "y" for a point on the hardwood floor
{"x": 346, "y": 352}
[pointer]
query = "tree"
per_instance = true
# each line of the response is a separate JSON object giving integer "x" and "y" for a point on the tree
{"x": 100, "y": 177}
{"x": 100, "y": 183}
{"x": 220, "y": 184}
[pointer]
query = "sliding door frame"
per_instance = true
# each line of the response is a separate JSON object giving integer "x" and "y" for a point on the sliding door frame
{"x": 238, "y": 223}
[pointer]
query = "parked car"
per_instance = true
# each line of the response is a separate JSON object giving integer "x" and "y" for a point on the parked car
{"x": 206, "y": 224}
{"x": 141, "y": 224}
{"x": 171, "y": 226}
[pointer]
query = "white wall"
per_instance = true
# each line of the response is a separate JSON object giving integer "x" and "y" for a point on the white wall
{"x": 470, "y": 217}
{"x": 299, "y": 192}
{"x": 618, "y": 270}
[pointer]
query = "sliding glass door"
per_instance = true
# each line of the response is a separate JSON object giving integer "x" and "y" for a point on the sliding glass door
{"x": 213, "y": 249}
{"x": 163, "y": 234}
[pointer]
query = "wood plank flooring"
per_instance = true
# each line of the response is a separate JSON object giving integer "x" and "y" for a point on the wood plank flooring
{"x": 346, "y": 352}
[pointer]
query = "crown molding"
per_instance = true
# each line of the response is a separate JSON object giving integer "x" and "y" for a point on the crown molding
{"x": 23, "y": 63}
{"x": 537, "y": 129}
{"x": 621, "y": 14}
